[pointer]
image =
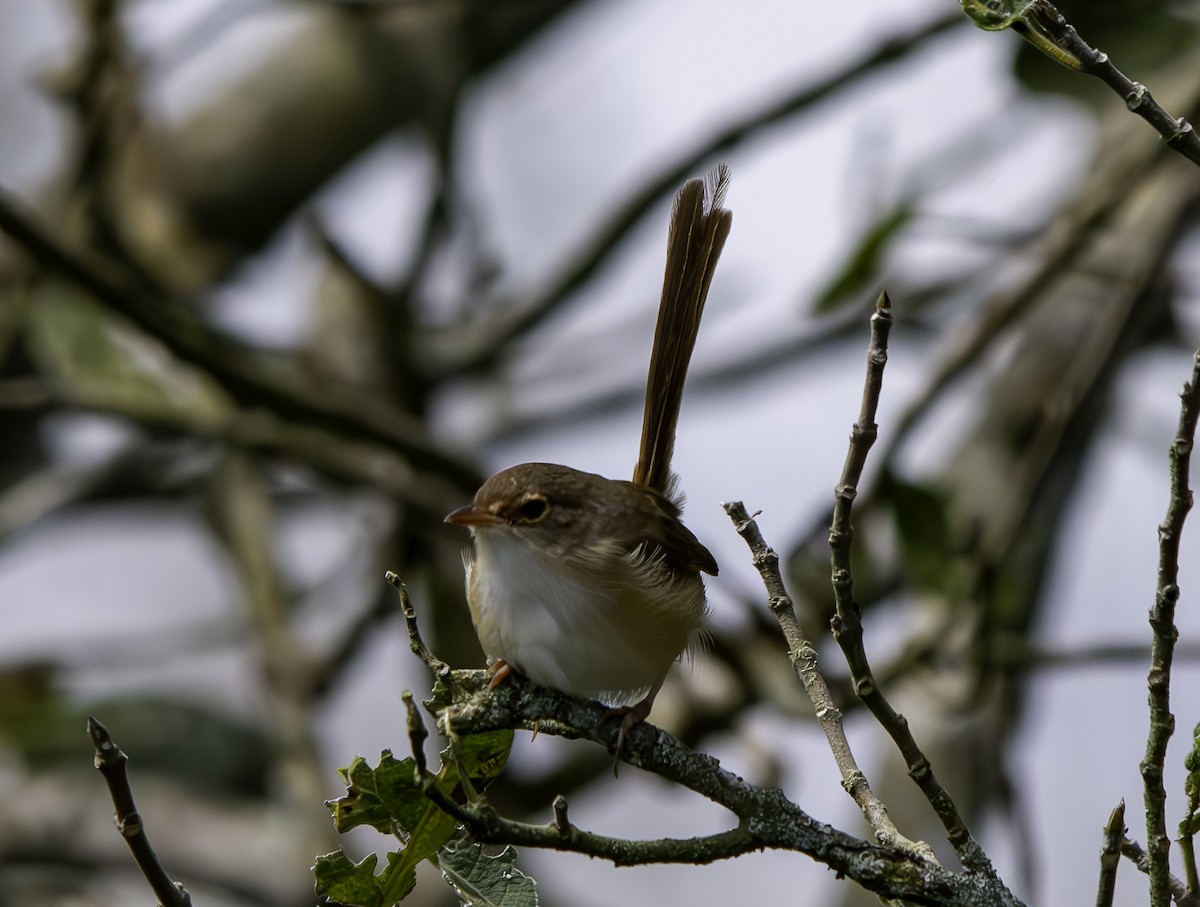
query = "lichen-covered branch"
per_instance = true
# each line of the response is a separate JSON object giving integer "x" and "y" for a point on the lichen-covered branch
{"x": 765, "y": 817}
{"x": 464, "y": 704}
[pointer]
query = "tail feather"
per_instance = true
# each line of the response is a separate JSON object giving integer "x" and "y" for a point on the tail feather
{"x": 698, "y": 230}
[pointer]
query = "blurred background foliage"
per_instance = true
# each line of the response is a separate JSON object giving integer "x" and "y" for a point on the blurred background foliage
{"x": 143, "y": 389}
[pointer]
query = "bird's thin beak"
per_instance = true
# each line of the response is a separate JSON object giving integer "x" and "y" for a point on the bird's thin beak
{"x": 470, "y": 515}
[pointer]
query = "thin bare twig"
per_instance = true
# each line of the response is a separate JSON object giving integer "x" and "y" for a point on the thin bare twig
{"x": 847, "y": 622}
{"x": 803, "y": 655}
{"x": 1110, "y": 856}
{"x": 415, "y": 642}
{"x": 1162, "y": 622}
{"x": 1134, "y": 851}
{"x": 561, "y": 822}
{"x": 111, "y": 761}
{"x": 417, "y": 732}
{"x": 1043, "y": 26}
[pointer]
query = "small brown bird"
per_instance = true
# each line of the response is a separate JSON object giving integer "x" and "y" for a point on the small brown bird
{"x": 592, "y": 585}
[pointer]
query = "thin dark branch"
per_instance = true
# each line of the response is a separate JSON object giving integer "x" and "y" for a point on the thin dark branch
{"x": 415, "y": 642}
{"x": 1162, "y": 622}
{"x": 111, "y": 762}
{"x": 1045, "y": 22}
{"x": 1019, "y": 653}
{"x": 417, "y": 732}
{"x": 787, "y": 348}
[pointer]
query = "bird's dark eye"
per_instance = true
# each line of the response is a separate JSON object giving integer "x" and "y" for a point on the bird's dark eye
{"x": 533, "y": 509}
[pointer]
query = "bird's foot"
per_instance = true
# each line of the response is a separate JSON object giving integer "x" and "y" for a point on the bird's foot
{"x": 630, "y": 716}
{"x": 499, "y": 670}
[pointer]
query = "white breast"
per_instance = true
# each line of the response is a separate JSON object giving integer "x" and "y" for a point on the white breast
{"x": 572, "y": 632}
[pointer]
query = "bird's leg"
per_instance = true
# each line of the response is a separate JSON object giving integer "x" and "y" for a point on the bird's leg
{"x": 499, "y": 670}
{"x": 630, "y": 717}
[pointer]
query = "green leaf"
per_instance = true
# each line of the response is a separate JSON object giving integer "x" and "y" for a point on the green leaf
{"x": 399, "y": 791}
{"x": 386, "y": 798}
{"x": 101, "y": 360}
{"x": 342, "y": 880}
{"x": 923, "y": 525}
{"x": 487, "y": 881}
{"x": 428, "y": 835}
{"x": 862, "y": 267}
{"x": 390, "y": 799}
{"x": 996, "y": 14}
{"x": 1189, "y": 825}
{"x": 481, "y": 756}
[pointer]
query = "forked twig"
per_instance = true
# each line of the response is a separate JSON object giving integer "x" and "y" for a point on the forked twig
{"x": 803, "y": 655}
